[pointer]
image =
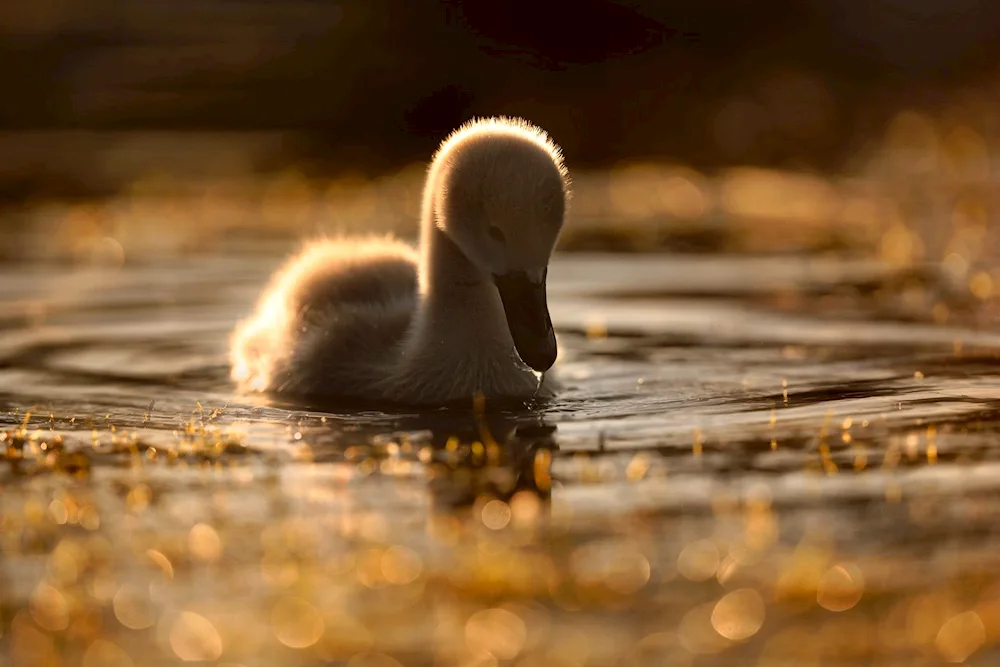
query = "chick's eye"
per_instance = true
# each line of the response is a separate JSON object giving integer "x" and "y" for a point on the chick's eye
{"x": 497, "y": 234}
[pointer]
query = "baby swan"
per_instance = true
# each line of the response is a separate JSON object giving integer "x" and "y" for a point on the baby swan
{"x": 372, "y": 319}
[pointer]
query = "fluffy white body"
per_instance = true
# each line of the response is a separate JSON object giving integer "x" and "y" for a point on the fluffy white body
{"x": 373, "y": 319}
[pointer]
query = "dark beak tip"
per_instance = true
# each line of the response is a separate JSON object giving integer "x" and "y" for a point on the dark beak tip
{"x": 540, "y": 364}
{"x": 527, "y": 315}
{"x": 539, "y": 358}
{"x": 541, "y": 368}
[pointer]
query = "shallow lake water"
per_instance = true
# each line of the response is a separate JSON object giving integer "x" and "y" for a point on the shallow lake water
{"x": 754, "y": 460}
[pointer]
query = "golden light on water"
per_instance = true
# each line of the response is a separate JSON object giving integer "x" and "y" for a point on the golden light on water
{"x": 637, "y": 468}
{"x": 955, "y": 264}
{"x": 759, "y": 207}
{"x": 373, "y": 660}
{"x": 649, "y": 191}
{"x": 103, "y": 653}
{"x": 981, "y": 285}
{"x": 683, "y": 195}
{"x": 622, "y": 569}
{"x": 65, "y": 561}
{"x": 925, "y": 615}
{"x": 761, "y": 523}
{"x": 912, "y": 141}
{"x": 89, "y": 518}
{"x": 966, "y": 155}
{"x": 763, "y": 578}
{"x": 107, "y": 251}
{"x": 401, "y": 565}
{"x": 597, "y": 328}
{"x": 525, "y": 509}
{"x": 699, "y": 560}
{"x": 960, "y": 637}
{"x": 156, "y": 212}
{"x": 133, "y": 607}
{"x": 102, "y": 587}
{"x": 28, "y": 644}
{"x": 59, "y": 511}
{"x": 496, "y": 514}
{"x": 840, "y": 587}
{"x": 193, "y": 638}
{"x": 369, "y": 568}
{"x": 139, "y": 497}
{"x": 765, "y": 194}
{"x": 49, "y": 608}
{"x": 542, "y": 469}
{"x": 204, "y": 543}
{"x": 696, "y": 631}
{"x": 161, "y": 562}
{"x": 739, "y": 615}
{"x": 499, "y": 632}
{"x": 296, "y": 623}
{"x": 900, "y": 245}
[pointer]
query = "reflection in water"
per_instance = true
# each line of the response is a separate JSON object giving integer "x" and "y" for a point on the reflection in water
{"x": 499, "y": 458}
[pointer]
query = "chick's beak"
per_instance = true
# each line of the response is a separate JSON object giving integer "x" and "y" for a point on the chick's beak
{"x": 527, "y": 312}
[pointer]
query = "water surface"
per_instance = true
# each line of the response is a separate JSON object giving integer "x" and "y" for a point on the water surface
{"x": 768, "y": 460}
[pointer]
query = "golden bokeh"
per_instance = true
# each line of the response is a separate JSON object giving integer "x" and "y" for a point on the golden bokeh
{"x": 498, "y": 632}
{"x": 134, "y": 608}
{"x": 840, "y": 587}
{"x": 49, "y": 608}
{"x": 699, "y": 560}
{"x": 960, "y": 637}
{"x": 102, "y": 653}
{"x": 193, "y": 638}
{"x": 296, "y": 623}
{"x": 496, "y": 514}
{"x": 373, "y": 660}
{"x": 204, "y": 543}
{"x": 401, "y": 565}
{"x": 739, "y": 614}
{"x": 697, "y": 634}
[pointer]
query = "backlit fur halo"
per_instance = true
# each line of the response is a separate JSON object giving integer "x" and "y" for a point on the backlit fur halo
{"x": 504, "y": 126}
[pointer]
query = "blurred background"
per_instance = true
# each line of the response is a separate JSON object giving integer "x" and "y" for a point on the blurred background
{"x": 131, "y": 130}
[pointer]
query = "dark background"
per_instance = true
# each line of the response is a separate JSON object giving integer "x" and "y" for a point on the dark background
{"x": 375, "y": 84}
